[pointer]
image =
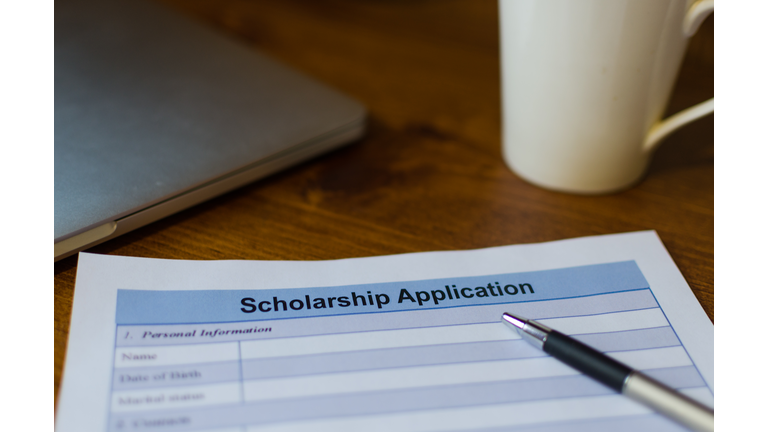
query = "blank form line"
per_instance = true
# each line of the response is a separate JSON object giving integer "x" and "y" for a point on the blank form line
{"x": 618, "y": 321}
{"x": 594, "y": 314}
{"x": 472, "y": 418}
{"x": 620, "y": 331}
{"x": 425, "y": 376}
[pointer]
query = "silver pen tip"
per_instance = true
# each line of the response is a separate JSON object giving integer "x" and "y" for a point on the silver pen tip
{"x": 515, "y": 320}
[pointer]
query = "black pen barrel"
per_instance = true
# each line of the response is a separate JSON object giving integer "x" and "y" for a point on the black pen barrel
{"x": 586, "y": 360}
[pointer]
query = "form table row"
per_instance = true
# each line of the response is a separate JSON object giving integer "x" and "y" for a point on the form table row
{"x": 382, "y": 381}
{"x": 142, "y": 356}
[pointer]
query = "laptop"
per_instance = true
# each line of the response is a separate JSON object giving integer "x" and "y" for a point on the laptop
{"x": 155, "y": 113}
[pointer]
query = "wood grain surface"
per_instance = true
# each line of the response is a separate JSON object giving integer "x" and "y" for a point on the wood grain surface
{"x": 429, "y": 174}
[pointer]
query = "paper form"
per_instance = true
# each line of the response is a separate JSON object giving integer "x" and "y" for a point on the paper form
{"x": 406, "y": 342}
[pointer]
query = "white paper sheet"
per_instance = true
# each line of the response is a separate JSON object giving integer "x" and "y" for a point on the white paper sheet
{"x": 406, "y": 342}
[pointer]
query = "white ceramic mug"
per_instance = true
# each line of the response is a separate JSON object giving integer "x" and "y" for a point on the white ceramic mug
{"x": 585, "y": 83}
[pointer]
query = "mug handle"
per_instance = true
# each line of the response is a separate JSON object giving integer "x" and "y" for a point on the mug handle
{"x": 693, "y": 19}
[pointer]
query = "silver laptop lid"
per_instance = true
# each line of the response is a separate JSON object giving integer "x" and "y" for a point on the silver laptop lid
{"x": 150, "y": 106}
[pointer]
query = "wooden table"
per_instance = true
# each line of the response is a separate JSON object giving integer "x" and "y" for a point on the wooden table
{"x": 429, "y": 174}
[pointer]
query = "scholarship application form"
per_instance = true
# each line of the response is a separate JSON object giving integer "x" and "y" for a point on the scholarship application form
{"x": 408, "y": 342}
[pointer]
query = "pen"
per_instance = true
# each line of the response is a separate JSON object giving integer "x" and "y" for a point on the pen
{"x": 614, "y": 374}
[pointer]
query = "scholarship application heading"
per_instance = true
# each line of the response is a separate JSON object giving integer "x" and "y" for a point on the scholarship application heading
{"x": 217, "y": 305}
